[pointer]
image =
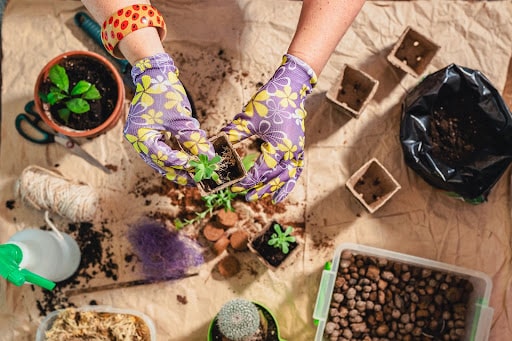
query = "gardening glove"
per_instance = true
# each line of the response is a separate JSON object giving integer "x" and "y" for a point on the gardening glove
{"x": 160, "y": 107}
{"x": 276, "y": 115}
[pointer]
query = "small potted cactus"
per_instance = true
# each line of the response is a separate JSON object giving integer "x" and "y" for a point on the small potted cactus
{"x": 243, "y": 320}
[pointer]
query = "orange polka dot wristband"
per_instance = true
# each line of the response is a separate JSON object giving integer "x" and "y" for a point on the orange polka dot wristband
{"x": 127, "y": 20}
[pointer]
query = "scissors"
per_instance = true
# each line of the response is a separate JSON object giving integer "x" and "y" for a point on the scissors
{"x": 32, "y": 119}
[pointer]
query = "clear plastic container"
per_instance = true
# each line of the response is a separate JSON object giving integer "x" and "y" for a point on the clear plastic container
{"x": 47, "y": 322}
{"x": 479, "y": 314}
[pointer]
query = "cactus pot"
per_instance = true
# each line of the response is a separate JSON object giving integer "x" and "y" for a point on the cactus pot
{"x": 214, "y": 333}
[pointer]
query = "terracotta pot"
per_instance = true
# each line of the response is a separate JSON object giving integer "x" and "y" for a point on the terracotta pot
{"x": 43, "y": 109}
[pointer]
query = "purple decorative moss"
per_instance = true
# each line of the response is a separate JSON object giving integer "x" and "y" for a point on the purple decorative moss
{"x": 165, "y": 254}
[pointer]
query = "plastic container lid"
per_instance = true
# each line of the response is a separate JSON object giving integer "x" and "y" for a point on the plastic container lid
{"x": 47, "y": 322}
{"x": 479, "y": 314}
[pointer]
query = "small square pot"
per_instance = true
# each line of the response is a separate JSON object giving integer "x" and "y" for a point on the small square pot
{"x": 352, "y": 91}
{"x": 231, "y": 167}
{"x": 412, "y": 52}
{"x": 372, "y": 185}
{"x": 269, "y": 255}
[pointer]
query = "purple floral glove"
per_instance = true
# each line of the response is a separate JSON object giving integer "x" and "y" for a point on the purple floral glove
{"x": 275, "y": 114}
{"x": 160, "y": 106}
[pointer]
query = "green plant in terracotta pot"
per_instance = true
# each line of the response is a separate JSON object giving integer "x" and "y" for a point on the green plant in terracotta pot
{"x": 79, "y": 94}
{"x": 243, "y": 320}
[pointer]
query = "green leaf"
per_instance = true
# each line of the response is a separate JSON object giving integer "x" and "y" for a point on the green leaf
{"x": 78, "y": 105}
{"x": 43, "y": 97}
{"x": 92, "y": 93}
{"x": 64, "y": 114}
{"x": 199, "y": 175}
{"x": 215, "y": 177}
{"x": 248, "y": 161}
{"x": 55, "y": 97}
{"x": 80, "y": 88}
{"x": 59, "y": 77}
{"x": 215, "y": 159}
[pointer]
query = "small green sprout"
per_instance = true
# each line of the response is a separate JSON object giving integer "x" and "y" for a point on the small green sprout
{"x": 76, "y": 100}
{"x": 281, "y": 239}
{"x": 214, "y": 201}
{"x": 205, "y": 168}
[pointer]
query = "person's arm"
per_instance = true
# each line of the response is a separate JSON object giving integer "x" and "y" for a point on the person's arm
{"x": 133, "y": 29}
{"x": 142, "y": 43}
{"x": 322, "y": 24}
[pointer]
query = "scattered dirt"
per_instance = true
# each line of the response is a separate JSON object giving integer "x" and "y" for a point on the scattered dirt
{"x": 96, "y": 260}
{"x": 458, "y": 130}
{"x": 10, "y": 204}
{"x": 182, "y": 299}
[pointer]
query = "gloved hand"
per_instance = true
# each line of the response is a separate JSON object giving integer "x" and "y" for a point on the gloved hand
{"x": 276, "y": 115}
{"x": 159, "y": 106}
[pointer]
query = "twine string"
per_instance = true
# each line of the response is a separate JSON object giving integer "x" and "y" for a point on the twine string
{"x": 47, "y": 190}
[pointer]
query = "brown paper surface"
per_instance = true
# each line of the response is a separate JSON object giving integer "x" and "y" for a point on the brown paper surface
{"x": 225, "y": 50}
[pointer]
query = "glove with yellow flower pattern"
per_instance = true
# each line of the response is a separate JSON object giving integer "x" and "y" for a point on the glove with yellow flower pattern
{"x": 276, "y": 115}
{"x": 160, "y": 106}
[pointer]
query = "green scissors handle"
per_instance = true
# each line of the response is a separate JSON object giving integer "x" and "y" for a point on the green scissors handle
{"x": 31, "y": 119}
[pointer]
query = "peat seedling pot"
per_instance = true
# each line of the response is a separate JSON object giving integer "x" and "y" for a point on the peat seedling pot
{"x": 244, "y": 320}
{"x": 230, "y": 168}
{"x": 352, "y": 91}
{"x": 412, "y": 52}
{"x": 69, "y": 115}
{"x": 372, "y": 185}
{"x": 270, "y": 253}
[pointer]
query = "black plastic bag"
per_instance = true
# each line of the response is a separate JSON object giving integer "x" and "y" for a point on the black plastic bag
{"x": 456, "y": 132}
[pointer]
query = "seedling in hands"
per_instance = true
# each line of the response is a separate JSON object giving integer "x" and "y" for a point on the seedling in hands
{"x": 205, "y": 168}
{"x": 281, "y": 239}
{"x": 214, "y": 201}
{"x": 76, "y": 100}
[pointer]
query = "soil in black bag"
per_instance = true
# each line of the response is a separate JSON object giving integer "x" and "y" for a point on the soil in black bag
{"x": 456, "y": 132}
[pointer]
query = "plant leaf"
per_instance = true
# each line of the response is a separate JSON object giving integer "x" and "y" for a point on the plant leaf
{"x": 80, "y": 88}
{"x": 248, "y": 161}
{"x": 59, "y": 77}
{"x": 64, "y": 114}
{"x": 92, "y": 93}
{"x": 215, "y": 159}
{"x": 215, "y": 177}
{"x": 55, "y": 97}
{"x": 78, "y": 105}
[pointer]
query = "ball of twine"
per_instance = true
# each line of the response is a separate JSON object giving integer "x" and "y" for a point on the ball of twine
{"x": 47, "y": 190}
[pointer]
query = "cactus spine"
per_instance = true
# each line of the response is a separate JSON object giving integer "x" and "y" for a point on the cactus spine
{"x": 238, "y": 320}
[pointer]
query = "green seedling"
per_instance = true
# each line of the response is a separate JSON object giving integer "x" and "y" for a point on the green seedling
{"x": 205, "y": 168}
{"x": 76, "y": 100}
{"x": 214, "y": 201}
{"x": 220, "y": 199}
{"x": 282, "y": 239}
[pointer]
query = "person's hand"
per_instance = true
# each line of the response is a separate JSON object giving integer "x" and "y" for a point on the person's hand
{"x": 276, "y": 115}
{"x": 160, "y": 106}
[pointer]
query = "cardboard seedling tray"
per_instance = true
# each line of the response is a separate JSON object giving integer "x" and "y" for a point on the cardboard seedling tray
{"x": 413, "y": 52}
{"x": 352, "y": 91}
{"x": 372, "y": 185}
